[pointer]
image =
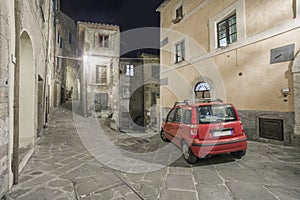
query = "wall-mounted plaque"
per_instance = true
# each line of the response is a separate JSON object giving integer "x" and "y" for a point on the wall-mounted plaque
{"x": 164, "y": 42}
{"x": 282, "y": 54}
{"x": 164, "y": 81}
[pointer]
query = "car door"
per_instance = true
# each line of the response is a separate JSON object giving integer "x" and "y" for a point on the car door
{"x": 168, "y": 125}
{"x": 185, "y": 127}
{"x": 176, "y": 126}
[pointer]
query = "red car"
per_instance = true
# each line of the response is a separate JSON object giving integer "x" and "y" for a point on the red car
{"x": 203, "y": 128}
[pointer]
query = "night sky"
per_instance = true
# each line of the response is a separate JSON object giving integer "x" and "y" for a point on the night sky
{"x": 128, "y": 14}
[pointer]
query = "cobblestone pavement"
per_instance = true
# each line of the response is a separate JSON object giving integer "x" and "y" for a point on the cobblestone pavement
{"x": 63, "y": 168}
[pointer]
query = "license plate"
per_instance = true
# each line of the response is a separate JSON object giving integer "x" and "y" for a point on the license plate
{"x": 222, "y": 133}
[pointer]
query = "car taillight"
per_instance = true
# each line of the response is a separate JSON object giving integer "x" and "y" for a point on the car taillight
{"x": 194, "y": 131}
{"x": 242, "y": 127}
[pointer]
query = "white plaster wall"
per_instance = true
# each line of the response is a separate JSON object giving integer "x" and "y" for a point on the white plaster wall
{"x": 27, "y": 92}
{"x": 37, "y": 30}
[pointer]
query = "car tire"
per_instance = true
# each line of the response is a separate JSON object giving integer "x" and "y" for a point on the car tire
{"x": 238, "y": 154}
{"x": 187, "y": 153}
{"x": 163, "y": 136}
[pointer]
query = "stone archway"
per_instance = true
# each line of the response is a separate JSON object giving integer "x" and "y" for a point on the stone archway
{"x": 296, "y": 91}
{"x": 26, "y": 93}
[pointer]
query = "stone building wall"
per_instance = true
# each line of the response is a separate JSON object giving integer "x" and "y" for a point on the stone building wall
{"x": 5, "y": 50}
{"x": 151, "y": 71}
{"x": 253, "y": 71}
{"x": 35, "y": 58}
{"x": 67, "y": 55}
{"x": 250, "y": 120}
{"x": 98, "y": 61}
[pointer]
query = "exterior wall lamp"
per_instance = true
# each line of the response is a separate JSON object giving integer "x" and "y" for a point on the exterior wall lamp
{"x": 285, "y": 91}
{"x": 85, "y": 57}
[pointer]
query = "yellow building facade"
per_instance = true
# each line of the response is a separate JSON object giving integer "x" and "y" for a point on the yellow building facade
{"x": 242, "y": 51}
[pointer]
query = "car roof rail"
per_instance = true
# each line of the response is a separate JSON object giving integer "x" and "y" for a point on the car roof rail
{"x": 203, "y": 100}
{"x": 208, "y": 100}
{"x": 180, "y": 103}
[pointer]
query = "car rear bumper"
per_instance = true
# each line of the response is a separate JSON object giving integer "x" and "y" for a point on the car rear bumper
{"x": 221, "y": 146}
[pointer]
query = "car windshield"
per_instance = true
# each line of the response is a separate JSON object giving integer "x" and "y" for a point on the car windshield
{"x": 216, "y": 113}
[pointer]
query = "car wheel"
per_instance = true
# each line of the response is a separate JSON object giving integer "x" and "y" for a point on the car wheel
{"x": 238, "y": 154}
{"x": 188, "y": 154}
{"x": 163, "y": 136}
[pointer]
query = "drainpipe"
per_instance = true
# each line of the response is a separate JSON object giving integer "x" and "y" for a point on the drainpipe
{"x": 15, "y": 160}
{"x": 46, "y": 65}
{"x": 54, "y": 53}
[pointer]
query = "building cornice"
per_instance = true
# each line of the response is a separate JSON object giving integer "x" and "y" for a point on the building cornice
{"x": 162, "y": 5}
{"x": 99, "y": 26}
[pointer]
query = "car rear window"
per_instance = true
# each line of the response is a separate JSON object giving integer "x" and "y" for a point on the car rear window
{"x": 216, "y": 113}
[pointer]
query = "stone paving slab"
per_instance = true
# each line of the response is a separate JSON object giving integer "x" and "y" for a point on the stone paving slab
{"x": 207, "y": 177}
{"x": 63, "y": 169}
{"x": 213, "y": 192}
{"x": 285, "y": 192}
{"x": 180, "y": 181}
{"x": 249, "y": 191}
{"x": 178, "y": 195}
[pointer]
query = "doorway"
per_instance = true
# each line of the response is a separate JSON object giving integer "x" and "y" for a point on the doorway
{"x": 40, "y": 106}
{"x": 26, "y": 93}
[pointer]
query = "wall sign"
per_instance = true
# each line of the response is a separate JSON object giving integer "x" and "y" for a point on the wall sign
{"x": 164, "y": 81}
{"x": 164, "y": 42}
{"x": 282, "y": 54}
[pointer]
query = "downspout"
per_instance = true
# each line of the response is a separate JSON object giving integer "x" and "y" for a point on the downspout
{"x": 46, "y": 66}
{"x": 54, "y": 52}
{"x": 15, "y": 160}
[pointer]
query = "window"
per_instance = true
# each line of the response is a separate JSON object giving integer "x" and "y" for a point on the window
{"x": 101, "y": 74}
{"x": 155, "y": 72}
{"x": 187, "y": 117}
{"x": 103, "y": 41}
{"x": 235, "y": 10}
{"x": 178, "y": 15}
{"x": 216, "y": 114}
{"x": 170, "y": 117}
{"x": 60, "y": 42}
{"x": 202, "y": 90}
{"x": 101, "y": 101}
{"x": 129, "y": 71}
{"x": 179, "y": 50}
{"x": 202, "y": 86}
{"x": 178, "y": 115}
{"x": 153, "y": 98}
{"x": 70, "y": 38}
{"x": 227, "y": 31}
{"x": 58, "y": 37}
{"x": 126, "y": 92}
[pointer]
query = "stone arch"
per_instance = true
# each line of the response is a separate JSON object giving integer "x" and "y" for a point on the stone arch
{"x": 6, "y": 145}
{"x": 26, "y": 92}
